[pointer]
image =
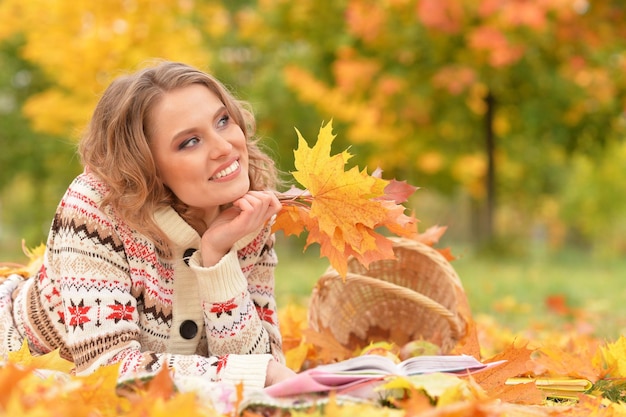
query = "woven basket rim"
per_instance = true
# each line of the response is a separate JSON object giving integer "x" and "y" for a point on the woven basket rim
{"x": 322, "y": 315}
{"x": 456, "y": 326}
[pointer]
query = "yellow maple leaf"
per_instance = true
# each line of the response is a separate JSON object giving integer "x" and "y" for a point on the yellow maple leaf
{"x": 444, "y": 388}
{"x": 35, "y": 257}
{"x": 297, "y": 356}
{"x": 336, "y": 191}
{"x": 293, "y": 320}
{"x": 612, "y": 357}
{"x": 51, "y": 361}
{"x": 182, "y": 404}
{"x": 342, "y": 209}
{"x": 99, "y": 390}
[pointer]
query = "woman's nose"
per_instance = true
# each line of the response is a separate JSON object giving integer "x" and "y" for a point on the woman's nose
{"x": 219, "y": 146}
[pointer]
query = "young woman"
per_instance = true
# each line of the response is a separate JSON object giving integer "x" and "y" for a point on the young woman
{"x": 160, "y": 253}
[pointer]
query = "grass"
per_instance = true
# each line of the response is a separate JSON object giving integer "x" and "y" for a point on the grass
{"x": 297, "y": 270}
{"x": 515, "y": 291}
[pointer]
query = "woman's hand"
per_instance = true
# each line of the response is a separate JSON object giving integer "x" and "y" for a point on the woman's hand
{"x": 277, "y": 372}
{"x": 247, "y": 214}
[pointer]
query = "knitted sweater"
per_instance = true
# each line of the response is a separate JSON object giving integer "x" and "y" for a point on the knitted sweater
{"x": 104, "y": 295}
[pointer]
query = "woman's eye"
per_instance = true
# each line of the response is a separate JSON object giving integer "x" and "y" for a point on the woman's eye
{"x": 189, "y": 142}
{"x": 223, "y": 120}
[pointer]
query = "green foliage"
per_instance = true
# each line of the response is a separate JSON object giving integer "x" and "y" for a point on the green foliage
{"x": 36, "y": 168}
{"x": 593, "y": 201}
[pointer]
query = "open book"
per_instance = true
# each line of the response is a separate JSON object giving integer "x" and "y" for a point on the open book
{"x": 356, "y": 372}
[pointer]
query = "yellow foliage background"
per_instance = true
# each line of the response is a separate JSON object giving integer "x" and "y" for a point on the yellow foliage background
{"x": 82, "y": 45}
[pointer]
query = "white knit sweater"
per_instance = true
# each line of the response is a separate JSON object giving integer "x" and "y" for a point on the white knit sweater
{"x": 104, "y": 295}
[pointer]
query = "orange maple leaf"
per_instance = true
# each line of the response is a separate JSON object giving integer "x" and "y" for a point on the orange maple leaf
{"x": 397, "y": 191}
{"x": 518, "y": 362}
{"x": 10, "y": 375}
{"x": 291, "y": 219}
{"x": 342, "y": 210}
{"x": 162, "y": 385}
{"x": 157, "y": 387}
{"x": 576, "y": 362}
{"x": 432, "y": 236}
{"x": 469, "y": 344}
{"x": 328, "y": 349}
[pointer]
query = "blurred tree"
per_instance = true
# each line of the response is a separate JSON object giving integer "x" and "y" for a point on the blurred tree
{"x": 81, "y": 45}
{"x": 447, "y": 91}
{"x": 482, "y": 96}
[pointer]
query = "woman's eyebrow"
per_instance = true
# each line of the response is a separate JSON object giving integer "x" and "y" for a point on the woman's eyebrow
{"x": 187, "y": 131}
{"x": 183, "y": 133}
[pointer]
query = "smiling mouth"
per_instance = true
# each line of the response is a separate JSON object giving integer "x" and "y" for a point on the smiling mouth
{"x": 226, "y": 171}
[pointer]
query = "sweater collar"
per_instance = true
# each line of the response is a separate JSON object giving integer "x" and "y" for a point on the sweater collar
{"x": 176, "y": 228}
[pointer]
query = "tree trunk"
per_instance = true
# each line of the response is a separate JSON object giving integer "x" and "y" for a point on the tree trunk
{"x": 490, "y": 187}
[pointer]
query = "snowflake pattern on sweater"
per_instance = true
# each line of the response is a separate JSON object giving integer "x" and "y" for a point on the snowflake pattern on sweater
{"x": 104, "y": 295}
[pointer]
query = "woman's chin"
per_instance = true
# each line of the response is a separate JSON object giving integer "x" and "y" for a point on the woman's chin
{"x": 236, "y": 193}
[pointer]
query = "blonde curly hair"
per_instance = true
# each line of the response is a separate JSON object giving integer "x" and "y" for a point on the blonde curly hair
{"x": 115, "y": 146}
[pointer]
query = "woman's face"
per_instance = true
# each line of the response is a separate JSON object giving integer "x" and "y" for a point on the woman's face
{"x": 200, "y": 152}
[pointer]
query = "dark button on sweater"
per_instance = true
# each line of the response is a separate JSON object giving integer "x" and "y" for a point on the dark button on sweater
{"x": 188, "y": 329}
{"x": 188, "y": 254}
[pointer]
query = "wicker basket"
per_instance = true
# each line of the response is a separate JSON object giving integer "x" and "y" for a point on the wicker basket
{"x": 417, "y": 296}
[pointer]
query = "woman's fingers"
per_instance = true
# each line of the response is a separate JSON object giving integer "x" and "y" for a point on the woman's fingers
{"x": 264, "y": 204}
{"x": 248, "y": 214}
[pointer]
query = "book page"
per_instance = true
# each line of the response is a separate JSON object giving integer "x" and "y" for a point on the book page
{"x": 366, "y": 364}
{"x": 441, "y": 363}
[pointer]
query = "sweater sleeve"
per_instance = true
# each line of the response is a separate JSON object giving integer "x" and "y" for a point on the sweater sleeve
{"x": 261, "y": 286}
{"x": 238, "y": 299}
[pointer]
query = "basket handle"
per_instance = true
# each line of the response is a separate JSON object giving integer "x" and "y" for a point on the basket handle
{"x": 411, "y": 295}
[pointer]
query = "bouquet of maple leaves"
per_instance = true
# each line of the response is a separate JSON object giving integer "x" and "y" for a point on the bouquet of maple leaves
{"x": 343, "y": 211}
